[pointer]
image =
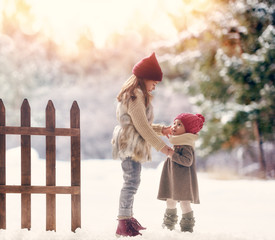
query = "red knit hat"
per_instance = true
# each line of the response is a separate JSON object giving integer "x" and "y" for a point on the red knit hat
{"x": 148, "y": 68}
{"x": 192, "y": 122}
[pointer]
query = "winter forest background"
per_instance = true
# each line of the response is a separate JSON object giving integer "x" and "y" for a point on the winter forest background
{"x": 217, "y": 57}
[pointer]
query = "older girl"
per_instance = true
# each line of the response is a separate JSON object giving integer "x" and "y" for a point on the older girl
{"x": 134, "y": 136}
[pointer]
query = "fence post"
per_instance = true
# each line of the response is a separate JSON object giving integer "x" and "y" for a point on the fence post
{"x": 2, "y": 167}
{"x": 25, "y": 166}
{"x": 75, "y": 168}
{"x": 50, "y": 168}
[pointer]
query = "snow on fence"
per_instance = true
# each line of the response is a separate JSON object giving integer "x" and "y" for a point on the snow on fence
{"x": 26, "y": 189}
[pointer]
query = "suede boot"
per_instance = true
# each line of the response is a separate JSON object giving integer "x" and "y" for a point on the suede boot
{"x": 187, "y": 222}
{"x": 170, "y": 219}
{"x": 136, "y": 224}
{"x": 126, "y": 227}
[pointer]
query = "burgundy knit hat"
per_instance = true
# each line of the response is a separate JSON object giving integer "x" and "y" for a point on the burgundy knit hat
{"x": 148, "y": 68}
{"x": 192, "y": 122}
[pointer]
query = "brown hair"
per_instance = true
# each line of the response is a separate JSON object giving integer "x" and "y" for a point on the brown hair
{"x": 128, "y": 90}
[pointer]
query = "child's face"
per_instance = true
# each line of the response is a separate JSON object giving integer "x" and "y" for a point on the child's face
{"x": 178, "y": 128}
{"x": 150, "y": 85}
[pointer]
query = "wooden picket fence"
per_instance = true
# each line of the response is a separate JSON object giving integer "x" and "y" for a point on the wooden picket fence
{"x": 26, "y": 189}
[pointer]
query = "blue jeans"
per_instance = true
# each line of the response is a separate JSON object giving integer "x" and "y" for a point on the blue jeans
{"x": 131, "y": 176}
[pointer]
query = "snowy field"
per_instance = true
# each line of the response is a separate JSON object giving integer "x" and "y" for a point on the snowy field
{"x": 229, "y": 210}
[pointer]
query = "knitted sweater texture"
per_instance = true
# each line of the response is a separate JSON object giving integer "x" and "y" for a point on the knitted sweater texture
{"x": 135, "y": 134}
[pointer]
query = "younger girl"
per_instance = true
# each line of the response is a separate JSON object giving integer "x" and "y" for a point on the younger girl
{"x": 134, "y": 136}
{"x": 178, "y": 181}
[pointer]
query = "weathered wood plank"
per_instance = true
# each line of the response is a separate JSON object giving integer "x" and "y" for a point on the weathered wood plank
{"x": 76, "y": 212}
{"x": 50, "y": 168}
{"x": 39, "y": 131}
{"x": 2, "y": 167}
{"x": 40, "y": 189}
{"x": 2, "y": 210}
{"x": 25, "y": 166}
{"x": 75, "y": 167}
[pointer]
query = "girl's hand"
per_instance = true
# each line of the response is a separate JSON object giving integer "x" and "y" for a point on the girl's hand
{"x": 165, "y": 150}
{"x": 170, "y": 153}
{"x": 166, "y": 131}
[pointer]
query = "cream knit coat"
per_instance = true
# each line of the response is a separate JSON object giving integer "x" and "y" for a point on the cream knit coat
{"x": 135, "y": 134}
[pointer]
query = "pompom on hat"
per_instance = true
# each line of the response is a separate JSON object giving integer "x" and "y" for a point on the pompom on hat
{"x": 193, "y": 123}
{"x": 148, "y": 68}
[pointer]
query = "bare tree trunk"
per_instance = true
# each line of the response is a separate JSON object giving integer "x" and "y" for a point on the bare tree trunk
{"x": 261, "y": 159}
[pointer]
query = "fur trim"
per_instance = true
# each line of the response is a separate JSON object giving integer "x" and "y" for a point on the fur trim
{"x": 126, "y": 141}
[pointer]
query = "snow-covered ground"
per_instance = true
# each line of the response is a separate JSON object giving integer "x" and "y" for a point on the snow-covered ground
{"x": 229, "y": 210}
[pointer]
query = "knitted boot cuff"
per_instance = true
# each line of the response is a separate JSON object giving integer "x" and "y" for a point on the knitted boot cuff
{"x": 188, "y": 215}
{"x": 172, "y": 211}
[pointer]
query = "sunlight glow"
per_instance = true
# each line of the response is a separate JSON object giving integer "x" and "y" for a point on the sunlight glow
{"x": 65, "y": 20}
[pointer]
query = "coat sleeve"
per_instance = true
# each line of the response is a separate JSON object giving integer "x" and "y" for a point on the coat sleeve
{"x": 184, "y": 157}
{"x": 139, "y": 119}
{"x": 158, "y": 129}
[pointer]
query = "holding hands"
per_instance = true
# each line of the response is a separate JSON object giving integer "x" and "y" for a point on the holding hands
{"x": 170, "y": 152}
{"x": 167, "y": 151}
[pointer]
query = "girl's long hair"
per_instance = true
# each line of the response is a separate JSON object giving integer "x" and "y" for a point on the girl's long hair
{"x": 128, "y": 90}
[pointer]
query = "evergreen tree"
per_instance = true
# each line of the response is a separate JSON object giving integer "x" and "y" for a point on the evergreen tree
{"x": 232, "y": 77}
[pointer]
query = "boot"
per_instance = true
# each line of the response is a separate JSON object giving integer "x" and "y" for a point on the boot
{"x": 136, "y": 224}
{"x": 126, "y": 228}
{"x": 170, "y": 219}
{"x": 187, "y": 222}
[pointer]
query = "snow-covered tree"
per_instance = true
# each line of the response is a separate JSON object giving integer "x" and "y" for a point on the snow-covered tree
{"x": 228, "y": 68}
